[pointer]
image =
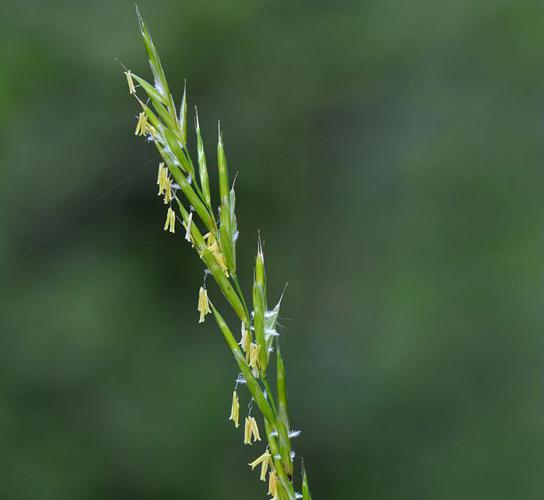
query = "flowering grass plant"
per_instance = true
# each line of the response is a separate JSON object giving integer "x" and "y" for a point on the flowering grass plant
{"x": 185, "y": 189}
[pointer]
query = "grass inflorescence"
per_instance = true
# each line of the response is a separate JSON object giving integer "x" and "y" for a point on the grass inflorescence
{"x": 185, "y": 189}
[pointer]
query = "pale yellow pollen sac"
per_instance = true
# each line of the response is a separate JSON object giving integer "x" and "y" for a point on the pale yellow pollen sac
{"x": 141, "y": 126}
{"x": 213, "y": 247}
{"x": 212, "y": 242}
{"x": 245, "y": 341}
{"x": 235, "y": 410}
{"x": 273, "y": 484}
{"x": 264, "y": 467}
{"x": 203, "y": 304}
{"x": 167, "y": 191}
{"x": 247, "y": 431}
{"x": 251, "y": 431}
{"x": 130, "y": 81}
{"x": 265, "y": 461}
{"x": 170, "y": 224}
{"x": 188, "y": 227}
{"x": 162, "y": 178}
{"x": 159, "y": 176}
{"x": 254, "y": 351}
{"x": 222, "y": 264}
{"x": 150, "y": 129}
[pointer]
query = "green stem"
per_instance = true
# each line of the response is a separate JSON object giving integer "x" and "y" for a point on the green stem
{"x": 241, "y": 294}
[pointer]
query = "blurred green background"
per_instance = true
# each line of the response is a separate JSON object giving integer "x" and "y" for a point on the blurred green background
{"x": 390, "y": 153}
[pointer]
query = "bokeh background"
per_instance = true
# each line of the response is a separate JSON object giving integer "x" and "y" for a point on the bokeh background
{"x": 391, "y": 153}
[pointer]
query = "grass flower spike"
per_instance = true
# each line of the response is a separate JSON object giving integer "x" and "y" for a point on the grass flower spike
{"x": 212, "y": 231}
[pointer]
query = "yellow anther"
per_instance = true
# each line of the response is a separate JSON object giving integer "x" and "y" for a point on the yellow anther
{"x": 203, "y": 304}
{"x": 273, "y": 484}
{"x": 254, "y": 351}
{"x": 245, "y": 341}
{"x": 170, "y": 224}
{"x": 251, "y": 431}
{"x": 141, "y": 126}
{"x": 235, "y": 410}
{"x": 162, "y": 177}
{"x": 213, "y": 247}
{"x": 188, "y": 227}
{"x": 265, "y": 461}
{"x": 167, "y": 191}
{"x": 130, "y": 81}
